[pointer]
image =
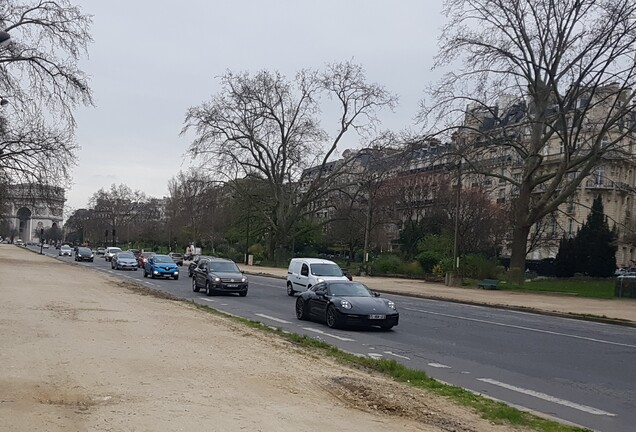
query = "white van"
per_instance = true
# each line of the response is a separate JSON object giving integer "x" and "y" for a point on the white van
{"x": 303, "y": 273}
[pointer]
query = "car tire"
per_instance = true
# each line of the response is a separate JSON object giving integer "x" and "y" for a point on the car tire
{"x": 386, "y": 327}
{"x": 301, "y": 313}
{"x": 135, "y": 268}
{"x": 331, "y": 317}
{"x": 208, "y": 290}
{"x": 145, "y": 274}
{"x": 176, "y": 278}
{"x": 243, "y": 293}
{"x": 195, "y": 288}
{"x": 290, "y": 290}
{"x": 89, "y": 260}
{"x": 152, "y": 275}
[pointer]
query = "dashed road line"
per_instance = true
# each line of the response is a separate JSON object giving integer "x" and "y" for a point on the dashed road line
{"x": 397, "y": 355}
{"x": 539, "y": 395}
{"x": 273, "y": 318}
{"x": 344, "y": 339}
{"x": 207, "y": 299}
{"x": 439, "y": 366}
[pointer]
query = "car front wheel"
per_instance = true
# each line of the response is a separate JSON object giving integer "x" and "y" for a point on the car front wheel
{"x": 208, "y": 289}
{"x": 176, "y": 277}
{"x": 195, "y": 288}
{"x": 243, "y": 293}
{"x": 290, "y": 290}
{"x": 332, "y": 317}
{"x": 301, "y": 314}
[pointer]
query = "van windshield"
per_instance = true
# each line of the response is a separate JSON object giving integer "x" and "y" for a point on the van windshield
{"x": 325, "y": 270}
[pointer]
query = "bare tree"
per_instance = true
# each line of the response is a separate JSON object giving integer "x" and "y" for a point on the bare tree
{"x": 548, "y": 85}
{"x": 266, "y": 126}
{"x": 118, "y": 207}
{"x": 41, "y": 80}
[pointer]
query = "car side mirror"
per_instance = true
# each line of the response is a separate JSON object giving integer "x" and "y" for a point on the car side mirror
{"x": 376, "y": 294}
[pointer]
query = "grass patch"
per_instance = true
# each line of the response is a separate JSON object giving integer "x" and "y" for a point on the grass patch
{"x": 593, "y": 288}
{"x": 494, "y": 411}
{"x": 583, "y": 287}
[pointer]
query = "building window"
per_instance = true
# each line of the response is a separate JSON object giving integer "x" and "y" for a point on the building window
{"x": 599, "y": 175}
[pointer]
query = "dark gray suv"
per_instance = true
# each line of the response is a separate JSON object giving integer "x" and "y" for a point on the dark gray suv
{"x": 218, "y": 275}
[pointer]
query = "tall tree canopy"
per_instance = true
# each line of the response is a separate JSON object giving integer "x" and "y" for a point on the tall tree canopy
{"x": 43, "y": 84}
{"x": 266, "y": 126}
{"x": 548, "y": 86}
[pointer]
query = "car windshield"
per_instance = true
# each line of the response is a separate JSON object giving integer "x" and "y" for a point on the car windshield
{"x": 114, "y": 250}
{"x": 177, "y": 256}
{"x": 84, "y": 250}
{"x": 65, "y": 247}
{"x": 162, "y": 259}
{"x": 349, "y": 290}
{"x": 125, "y": 255}
{"x": 325, "y": 270}
{"x": 223, "y": 266}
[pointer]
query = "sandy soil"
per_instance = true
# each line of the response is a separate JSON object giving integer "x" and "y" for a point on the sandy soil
{"x": 80, "y": 351}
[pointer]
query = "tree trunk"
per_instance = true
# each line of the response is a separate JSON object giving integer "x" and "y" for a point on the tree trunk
{"x": 519, "y": 244}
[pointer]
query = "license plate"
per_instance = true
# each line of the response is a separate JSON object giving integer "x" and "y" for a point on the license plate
{"x": 232, "y": 285}
{"x": 377, "y": 316}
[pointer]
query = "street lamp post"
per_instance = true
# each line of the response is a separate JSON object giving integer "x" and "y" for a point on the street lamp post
{"x": 457, "y": 207}
{"x": 247, "y": 236}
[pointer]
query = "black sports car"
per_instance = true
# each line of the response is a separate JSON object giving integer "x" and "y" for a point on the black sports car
{"x": 341, "y": 303}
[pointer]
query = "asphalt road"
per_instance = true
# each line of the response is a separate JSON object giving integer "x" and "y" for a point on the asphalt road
{"x": 576, "y": 371}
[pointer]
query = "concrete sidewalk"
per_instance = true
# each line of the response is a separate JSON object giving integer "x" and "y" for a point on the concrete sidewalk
{"x": 621, "y": 311}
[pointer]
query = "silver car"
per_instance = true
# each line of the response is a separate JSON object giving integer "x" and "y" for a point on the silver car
{"x": 65, "y": 250}
{"x": 124, "y": 261}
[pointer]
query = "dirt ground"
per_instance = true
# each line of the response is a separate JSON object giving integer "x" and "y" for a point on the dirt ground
{"x": 81, "y": 351}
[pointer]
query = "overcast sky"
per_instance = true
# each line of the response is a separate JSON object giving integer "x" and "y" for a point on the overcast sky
{"x": 151, "y": 60}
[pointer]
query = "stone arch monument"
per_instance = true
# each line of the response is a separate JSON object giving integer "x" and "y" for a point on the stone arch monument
{"x": 30, "y": 208}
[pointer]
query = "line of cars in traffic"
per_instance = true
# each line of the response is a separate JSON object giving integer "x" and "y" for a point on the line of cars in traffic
{"x": 325, "y": 292}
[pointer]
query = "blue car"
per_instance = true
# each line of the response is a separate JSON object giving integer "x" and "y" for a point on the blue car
{"x": 161, "y": 266}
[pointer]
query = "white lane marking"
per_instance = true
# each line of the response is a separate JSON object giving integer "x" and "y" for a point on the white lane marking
{"x": 223, "y": 304}
{"x": 397, "y": 355}
{"x": 523, "y": 328}
{"x": 207, "y": 299}
{"x": 344, "y": 339}
{"x": 273, "y": 318}
{"x": 539, "y": 395}
{"x": 439, "y": 365}
{"x": 375, "y": 355}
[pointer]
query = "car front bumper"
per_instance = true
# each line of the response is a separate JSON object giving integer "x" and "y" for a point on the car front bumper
{"x": 164, "y": 273}
{"x": 365, "y": 321}
{"x": 229, "y": 287}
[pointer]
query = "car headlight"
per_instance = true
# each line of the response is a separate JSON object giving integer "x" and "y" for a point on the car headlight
{"x": 345, "y": 304}
{"x": 244, "y": 279}
{"x": 217, "y": 280}
{"x": 176, "y": 272}
{"x": 390, "y": 304}
{"x": 320, "y": 280}
{"x": 91, "y": 256}
{"x": 155, "y": 272}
